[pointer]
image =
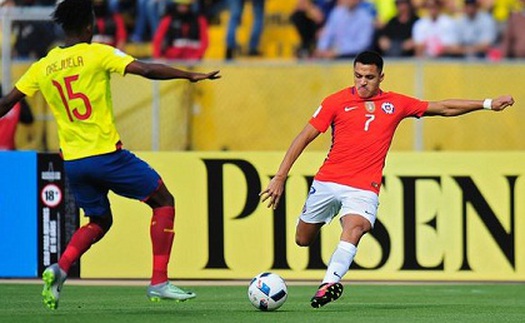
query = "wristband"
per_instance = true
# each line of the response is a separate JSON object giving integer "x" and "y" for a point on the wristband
{"x": 487, "y": 104}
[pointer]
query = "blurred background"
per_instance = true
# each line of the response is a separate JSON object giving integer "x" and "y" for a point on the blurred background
{"x": 278, "y": 60}
{"x": 275, "y": 76}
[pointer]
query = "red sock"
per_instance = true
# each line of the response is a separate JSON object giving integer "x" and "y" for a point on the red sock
{"x": 81, "y": 241}
{"x": 162, "y": 234}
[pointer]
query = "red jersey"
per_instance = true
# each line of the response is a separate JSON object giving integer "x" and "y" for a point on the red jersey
{"x": 8, "y": 124}
{"x": 362, "y": 131}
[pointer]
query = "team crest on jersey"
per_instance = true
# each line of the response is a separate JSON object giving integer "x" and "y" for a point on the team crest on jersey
{"x": 387, "y": 107}
{"x": 370, "y": 106}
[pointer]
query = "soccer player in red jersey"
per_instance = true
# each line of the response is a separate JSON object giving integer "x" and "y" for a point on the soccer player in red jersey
{"x": 363, "y": 120}
{"x": 75, "y": 81}
{"x": 20, "y": 113}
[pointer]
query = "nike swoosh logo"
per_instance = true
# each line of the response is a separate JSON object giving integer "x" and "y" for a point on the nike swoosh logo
{"x": 336, "y": 274}
{"x": 350, "y": 108}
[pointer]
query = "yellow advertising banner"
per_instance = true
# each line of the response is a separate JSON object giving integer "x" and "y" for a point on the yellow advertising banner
{"x": 442, "y": 217}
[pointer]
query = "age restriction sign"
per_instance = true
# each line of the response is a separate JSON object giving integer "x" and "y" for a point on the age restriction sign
{"x": 57, "y": 215}
{"x": 51, "y": 195}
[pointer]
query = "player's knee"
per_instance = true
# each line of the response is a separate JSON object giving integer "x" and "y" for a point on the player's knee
{"x": 104, "y": 222}
{"x": 357, "y": 232}
{"x": 162, "y": 197}
{"x": 168, "y": 199}
{"x": 302, "y": 241}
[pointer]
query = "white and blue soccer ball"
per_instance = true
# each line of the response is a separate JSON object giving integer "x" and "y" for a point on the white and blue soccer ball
{"x": 267, "y": 291}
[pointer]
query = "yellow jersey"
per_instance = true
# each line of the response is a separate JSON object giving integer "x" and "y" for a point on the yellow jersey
{"x": 75, "y": 82}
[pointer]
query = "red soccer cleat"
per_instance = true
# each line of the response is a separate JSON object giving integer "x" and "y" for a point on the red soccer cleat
{"x": 327, "y": 292}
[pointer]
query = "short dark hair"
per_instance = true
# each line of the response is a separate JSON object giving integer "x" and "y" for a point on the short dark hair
{"x": 370, "y": 58}
{"x": 74, "y": 15}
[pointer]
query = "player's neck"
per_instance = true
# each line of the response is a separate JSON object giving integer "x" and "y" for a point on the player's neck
{"x": 72, "y": 41}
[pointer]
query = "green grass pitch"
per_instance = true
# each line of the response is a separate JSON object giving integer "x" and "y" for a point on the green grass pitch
{"x": 359, "y": 303}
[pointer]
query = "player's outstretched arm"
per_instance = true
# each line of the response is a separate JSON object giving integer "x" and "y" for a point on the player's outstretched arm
{"x": 156, "y": 71}
{"x": 8, "y": 102}
{"x": 276, "y": 186}
{"x": 456, "y": 107}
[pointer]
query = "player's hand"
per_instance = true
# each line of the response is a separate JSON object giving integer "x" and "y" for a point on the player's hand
{"x": 205, "y": 76}
{"x": 502, "y": 102}
{"x": 273, "y": 192}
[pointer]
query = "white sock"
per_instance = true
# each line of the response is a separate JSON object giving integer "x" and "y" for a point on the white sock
{"x": 340, "y": 262}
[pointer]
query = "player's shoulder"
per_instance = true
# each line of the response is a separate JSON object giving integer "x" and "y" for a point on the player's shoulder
{"x": 102, "y": 47}
{"x": 402, "y": 101}
{"x": 106, "y": 50}
{"x": 390, "y": 95}
{"x": 51, "y": 54}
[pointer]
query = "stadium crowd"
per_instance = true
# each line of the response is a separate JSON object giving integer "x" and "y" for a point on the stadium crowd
{"x": 327, "y": 29}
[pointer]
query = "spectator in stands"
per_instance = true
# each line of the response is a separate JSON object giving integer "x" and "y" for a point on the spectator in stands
{"x": 501, "y": 11}
{"x": 371, "y": 7}
{"x": 211, "y": 9}
{"x": 114, "y": 6}
{"x": 395, "y": 39}
{"x": 477, "y": 31}
{"x": 385, "y": 10}
{"x": 33, "y": 38}
{"x": 182, "y": 33}
{"x": 348, "y": 31}
{"x": 21, "y": 3}
{"x": 109, "y": 27}
{"x": 21, "y": 113}
{"x": 435, "y": 34}
{"x": 513, "y": 42}
{"x": 148, "y": 15}
{"x": 236, "y": 8}
{"x": 308, "y": 17}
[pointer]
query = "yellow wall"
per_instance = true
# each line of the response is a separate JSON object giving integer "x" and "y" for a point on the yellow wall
{"x": 263, "y": 105}
{"x": 430, "y": 225}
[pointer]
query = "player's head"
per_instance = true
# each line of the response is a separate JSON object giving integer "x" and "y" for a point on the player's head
{"x": 433, "y": 7}
{"x": 101, "y": 8}
{"x": 75, "y": 17}
{"x": 368, "y": 73}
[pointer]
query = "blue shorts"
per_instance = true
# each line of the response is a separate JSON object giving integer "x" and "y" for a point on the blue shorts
{"x": 121, "y": 171}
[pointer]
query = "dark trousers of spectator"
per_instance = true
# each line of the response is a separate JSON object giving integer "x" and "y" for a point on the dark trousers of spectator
{"x": 307, "y": 30}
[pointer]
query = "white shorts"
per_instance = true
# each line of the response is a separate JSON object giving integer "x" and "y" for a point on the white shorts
{"x": 326, "y": 200}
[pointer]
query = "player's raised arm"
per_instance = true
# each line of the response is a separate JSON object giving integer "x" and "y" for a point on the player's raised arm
{"x": 157, "y": 71}
{"x": 275, "y": 188}
{"x": 8, "y": 102}
{"x": 456, "y": 107}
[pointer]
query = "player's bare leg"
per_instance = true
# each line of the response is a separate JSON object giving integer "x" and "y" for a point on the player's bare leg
{"x": 305, "y": 233}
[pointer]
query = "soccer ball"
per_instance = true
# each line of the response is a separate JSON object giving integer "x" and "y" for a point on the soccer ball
{"x": 267, "y": 291}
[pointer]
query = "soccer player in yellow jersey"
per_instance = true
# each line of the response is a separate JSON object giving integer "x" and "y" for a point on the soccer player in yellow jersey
{"x": 74, "y": 80}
